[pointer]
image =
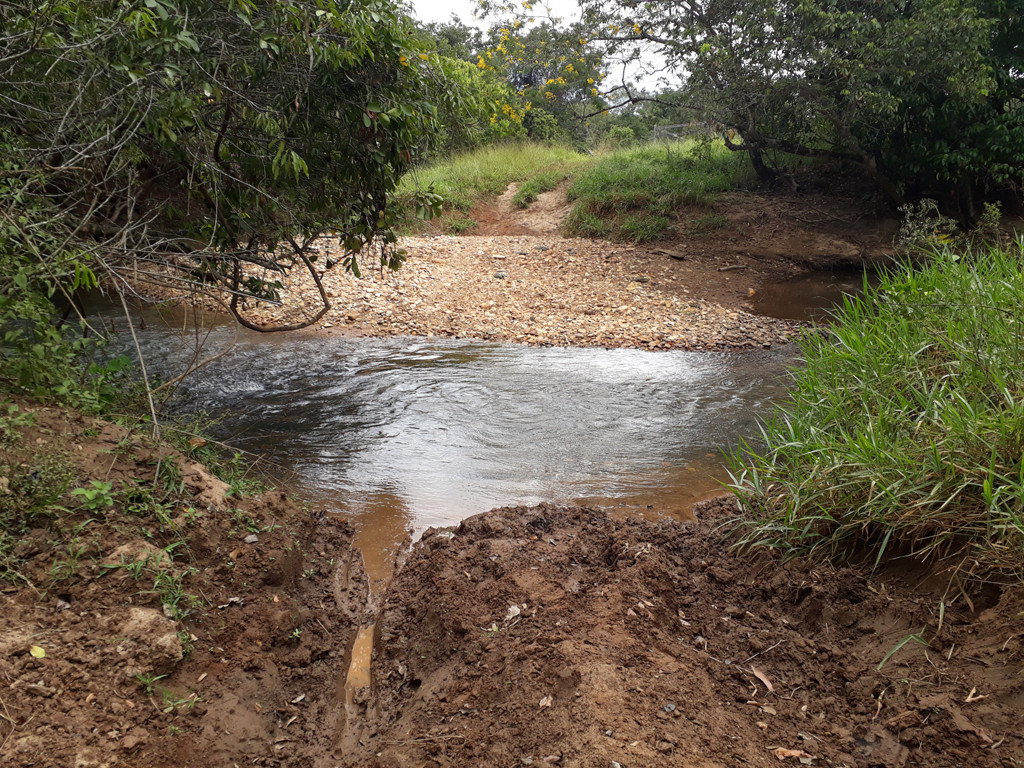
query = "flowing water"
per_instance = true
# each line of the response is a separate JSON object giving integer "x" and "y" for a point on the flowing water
{"x": 401, "y": 434}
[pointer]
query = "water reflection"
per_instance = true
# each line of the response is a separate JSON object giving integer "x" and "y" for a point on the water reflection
{"x": 811, "y": 296}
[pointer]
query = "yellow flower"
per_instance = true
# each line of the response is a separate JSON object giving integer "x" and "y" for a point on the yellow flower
{"x": 403, "y": 61}
{"x": 425, "y": 57}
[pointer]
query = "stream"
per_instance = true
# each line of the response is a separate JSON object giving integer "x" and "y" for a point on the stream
{"x": 401, "y": 434}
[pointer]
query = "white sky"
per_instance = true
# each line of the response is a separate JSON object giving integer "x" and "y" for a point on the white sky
{"x": 441, "y": 10}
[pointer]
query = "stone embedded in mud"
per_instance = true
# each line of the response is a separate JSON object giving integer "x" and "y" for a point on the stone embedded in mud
{"x": 156, "y": 636}
{"x": 137, "y": 737}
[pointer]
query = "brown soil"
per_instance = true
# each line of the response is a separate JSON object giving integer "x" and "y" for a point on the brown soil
{"x": 248, "y": 678}
{"x": 541, "y": 636}
{"x": 550, "y": 636}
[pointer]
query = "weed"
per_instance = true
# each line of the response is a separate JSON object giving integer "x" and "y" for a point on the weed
{"x": 168, "y": 583}
{"x": 642, "y": 228}
{"x": 65, "y": 567}
{"x": 98, "y": 497}
{"x": 583, "y": 223}
{"x": 13, "y": 422}
{"x": 170, "y": 478}
{"x": 172, "y": 702}
{"x": 147, "y": 681}
{"x": 544, "y": 181}
{"x": 459, "y": 224}
{"x": 917, "y": 637}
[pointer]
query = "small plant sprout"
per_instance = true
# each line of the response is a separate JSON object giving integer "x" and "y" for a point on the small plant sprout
{"x": 147, "y": 681}
{"x": 917, "y": 637}
{"x": 97, "y": 497}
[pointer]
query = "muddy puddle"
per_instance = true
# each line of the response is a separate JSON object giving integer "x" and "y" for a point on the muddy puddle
{"x": 811, "y": 296}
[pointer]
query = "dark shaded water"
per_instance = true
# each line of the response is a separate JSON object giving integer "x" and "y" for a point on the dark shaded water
{"x": 809, "y": 297}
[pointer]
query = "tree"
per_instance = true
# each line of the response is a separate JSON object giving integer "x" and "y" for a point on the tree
{"x": 198, "y": 143}
{"x": 926, "y": 96}
{"x": 549, "y": 67}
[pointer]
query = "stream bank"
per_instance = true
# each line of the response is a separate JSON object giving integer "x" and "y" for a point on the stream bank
{"x": 523, "y": 636}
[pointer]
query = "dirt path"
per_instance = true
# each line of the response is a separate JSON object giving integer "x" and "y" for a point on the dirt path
{"x": 515, "y": 279}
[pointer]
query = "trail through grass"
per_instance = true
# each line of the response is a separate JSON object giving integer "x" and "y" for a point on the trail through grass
{"x": 465, "y": 179}
{"x": 628, "y": 194}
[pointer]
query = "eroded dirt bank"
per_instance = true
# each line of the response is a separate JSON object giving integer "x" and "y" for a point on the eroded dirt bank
{"x": 210, "y": 630}
{"x": 527, "y": 636}
{"x": 550, "y": 636}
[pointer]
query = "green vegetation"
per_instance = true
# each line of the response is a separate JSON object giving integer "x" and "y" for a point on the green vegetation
{"x": 881, "y": 87}
{"x": 553, "y": 74}
{"x": 632, "y": 194}
{"x": 467, "y": 178}
{"x": 544, "y": 181}
{"x": 904, "y": 431}
{"x": 198, "y": 144}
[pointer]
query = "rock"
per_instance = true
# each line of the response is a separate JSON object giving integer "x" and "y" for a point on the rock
{"x": 156, "y": 636}
{"x": 136, "y": 737}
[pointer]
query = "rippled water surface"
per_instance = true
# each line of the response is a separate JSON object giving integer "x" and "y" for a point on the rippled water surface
{"x": 403, "y": 434}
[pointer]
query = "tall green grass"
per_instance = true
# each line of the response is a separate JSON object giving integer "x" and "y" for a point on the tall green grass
{"x": 632, "y": 194}
{"x": 904, "y": 431}
{"x": 467, "y": 178}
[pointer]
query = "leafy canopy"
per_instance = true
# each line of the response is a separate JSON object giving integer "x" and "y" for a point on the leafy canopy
{"x": 194, "y": 142}
{"x": 927, "y": 97}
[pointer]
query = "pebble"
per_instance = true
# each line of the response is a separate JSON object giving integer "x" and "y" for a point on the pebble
{"x": 556, "y": 292}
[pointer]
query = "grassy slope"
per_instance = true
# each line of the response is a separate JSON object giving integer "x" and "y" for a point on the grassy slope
{"x": 633, "y": 194}
{"x": 627, "y": 194}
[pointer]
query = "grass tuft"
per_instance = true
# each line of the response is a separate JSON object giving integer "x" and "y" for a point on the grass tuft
{"x": 544, "y": 181}
{"x": 632, "y": 194}
{"x": 904, "y": 430}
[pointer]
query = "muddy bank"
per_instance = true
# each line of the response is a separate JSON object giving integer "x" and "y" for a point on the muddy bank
{"x": 214, "y": 630}
{"x": 551, "y": 636}
{"x": 207, "y": 630}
